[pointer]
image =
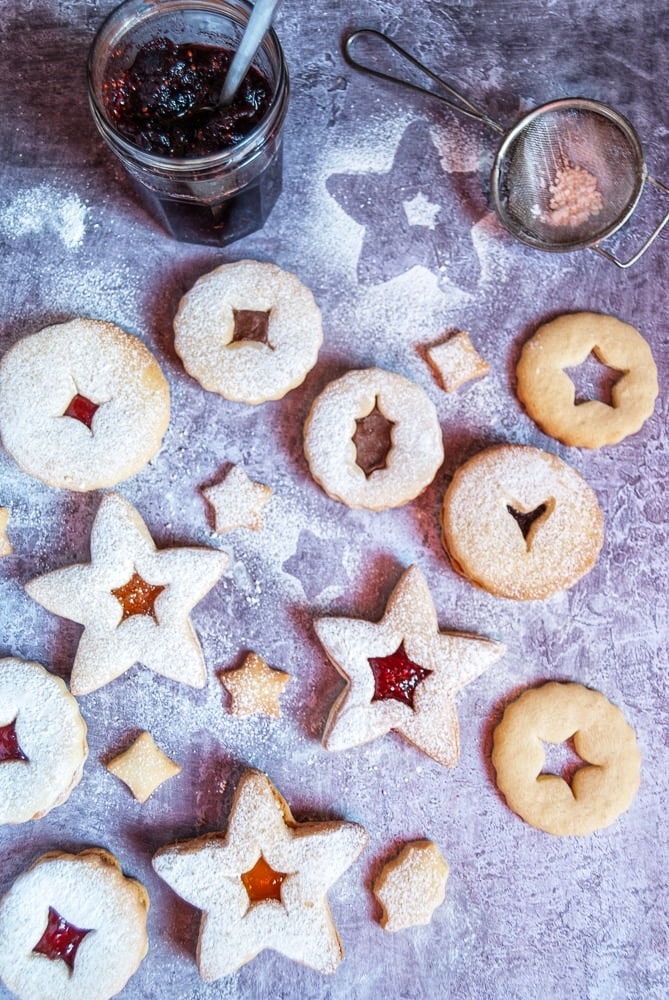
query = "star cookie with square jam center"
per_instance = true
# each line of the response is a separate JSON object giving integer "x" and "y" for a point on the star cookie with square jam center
{"x": 133, "y": 600}
{"x": 263, "y": 884}
{"x": 402, "y": 673}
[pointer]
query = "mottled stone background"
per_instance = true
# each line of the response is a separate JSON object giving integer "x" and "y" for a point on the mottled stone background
{"x": 384, "y": 215}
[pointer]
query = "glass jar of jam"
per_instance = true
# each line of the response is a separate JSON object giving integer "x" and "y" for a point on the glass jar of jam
{"x": 209, "y": 174}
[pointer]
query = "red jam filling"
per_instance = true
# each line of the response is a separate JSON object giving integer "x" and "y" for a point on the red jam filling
{"x": 137, "y": 597}
{"x": 525, "y": 520}
{"x": 82, "y": 409}
{"x": 396, "y": 676}
{"x": 60, "y": 939}
{"x": 165, "y": 102}
{"x": 262, "y": 882}
{"x": 9, "y": 744}
{"x": 372, "y": 440}
{"x": 251, "y": 324}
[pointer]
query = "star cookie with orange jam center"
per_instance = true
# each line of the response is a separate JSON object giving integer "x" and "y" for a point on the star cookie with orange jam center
{"x": 143, "y": 767}
{"x": 255, "y": 688}
{"x": 263, "y": 883}
{"x": 411, "y": 886}
{"x": 5, "y": 544}
{"x": 237, "y": 501}
{"x": 133, "y": 600}
{"x": 402, "y": 673}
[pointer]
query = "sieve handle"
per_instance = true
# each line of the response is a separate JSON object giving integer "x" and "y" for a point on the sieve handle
{"x": 644, "y": 246}
{"x": 463, "y": 107}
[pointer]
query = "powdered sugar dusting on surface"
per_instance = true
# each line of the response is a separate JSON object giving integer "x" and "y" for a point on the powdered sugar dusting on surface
{"x": 45, "y": 211}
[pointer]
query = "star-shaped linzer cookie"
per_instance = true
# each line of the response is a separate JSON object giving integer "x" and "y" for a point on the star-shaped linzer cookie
{"x": 255, "y": 688}
{"x": 403, "y": 674}
{"x": 237, "y": 502}
{"x": 133, "y": 600}
{"x": 263, "y": 884}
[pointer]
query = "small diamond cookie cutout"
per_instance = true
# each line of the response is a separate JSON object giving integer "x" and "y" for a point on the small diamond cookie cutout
{"x": 263, "y": 883}
{"x": 411, "y": 886}
{"x": 143, "y": 767}
{"x": 237, "y": 502}
{"x": 456, "y": 361}
{"x": 255, "y": 688}
{"x": 133, "y": 600}
{"x": 5, "y": 544}
{"x": 402, "y": 673}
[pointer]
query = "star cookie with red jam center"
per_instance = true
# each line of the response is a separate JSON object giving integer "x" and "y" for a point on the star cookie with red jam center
{"x": 263, "y": 884}
{"x": 133, "y": 600}
{"x": 402, "y": 673}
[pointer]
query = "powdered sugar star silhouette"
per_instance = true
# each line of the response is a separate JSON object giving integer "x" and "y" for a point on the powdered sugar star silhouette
{"x": 439, "y": 237}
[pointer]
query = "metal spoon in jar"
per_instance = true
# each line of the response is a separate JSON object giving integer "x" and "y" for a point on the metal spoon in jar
{"x": 256, "y": 29}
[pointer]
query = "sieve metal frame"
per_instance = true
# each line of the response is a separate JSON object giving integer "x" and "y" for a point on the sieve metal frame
{"x": 455, "y": 100}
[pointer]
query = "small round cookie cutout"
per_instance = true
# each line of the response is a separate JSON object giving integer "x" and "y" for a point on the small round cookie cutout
{"x": 600, "y": 790}
{"x": 548, "y": 393}
{"x": 42, "y": 741}
{"x": 521, "y": 523}
{"x": 248, "y": 331}
{"x": 83, "y": 405}
{"x": 72, "y": 927}
{"x": 372, "y": 439}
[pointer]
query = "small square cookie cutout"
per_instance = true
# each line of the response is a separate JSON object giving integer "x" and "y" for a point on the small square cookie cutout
{"x": 143, "y": 767}
{"x": 456, "y": 361}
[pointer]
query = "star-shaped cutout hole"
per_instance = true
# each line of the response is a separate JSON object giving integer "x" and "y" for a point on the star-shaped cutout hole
{"x": 396, "y": 676}
{"x": 5, "y": 544}
{"x": 262, "y": 882}
{"x": 318, "y": 563}
{"x": 393, "y": 209}
{"x": 562, "y": 759}
{"x": 10, "y": 749}
{"x": 208, "y": 872}
{"x": 237, "y": 502}
{"x": 83, "y": 409}
{"x": 137, "y": 597}
{"x": 60, "y": 940}
{"x": 411, "y": 886}
{"x": 121, "y": 546}
{"x": 373, "y": 440}
{"x": 255, "y": 688}
{"x": 143, "y": 767}
{"x": 251, "y": 324}
{"x": 593, "y": 380}
{"x": 447, "y": 661}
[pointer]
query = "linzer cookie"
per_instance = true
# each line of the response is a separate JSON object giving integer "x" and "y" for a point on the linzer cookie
{"x": 83, "y": 405}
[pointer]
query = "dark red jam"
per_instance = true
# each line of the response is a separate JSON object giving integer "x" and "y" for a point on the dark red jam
{"x": 60, "y": 939}
{"x": 165, "y": 102}
{"x": 9, "y": 744}
{"x": 396, "y": 676}
{"x": 525, "y": 520}
{"x": 81, "y": 409}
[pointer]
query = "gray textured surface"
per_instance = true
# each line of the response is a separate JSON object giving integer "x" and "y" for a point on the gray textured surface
{"x": 526, "y": 915}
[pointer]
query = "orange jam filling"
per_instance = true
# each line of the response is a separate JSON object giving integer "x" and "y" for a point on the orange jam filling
{"x": 60, "y": 939}
{"x": 396, "y": 677}
{"x": 251, "y": 324}
{"x": 262, "y": 882}
{"x": 9, "y": 744}
{"x": 137, "y": 597}
{"x": 373, "y": 440}
{"x": 82, "y": 409}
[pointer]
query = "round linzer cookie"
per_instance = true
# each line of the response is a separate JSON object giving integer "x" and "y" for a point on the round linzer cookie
{"x": 72, "y": 927}
{"x": 248, "y": 331}
{"x": 372, "y": 439}
{"x": 83, "y": 405}
{"x": 521, "y": 523}
{"x": 42, "y": 741}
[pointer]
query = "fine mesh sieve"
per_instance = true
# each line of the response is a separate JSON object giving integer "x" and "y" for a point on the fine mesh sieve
{"x": 565, "y": 177}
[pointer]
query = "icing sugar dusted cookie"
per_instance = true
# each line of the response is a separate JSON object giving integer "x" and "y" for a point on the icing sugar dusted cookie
{"x": 372, "y": 439}
{"x": 263, "y": 884}
{"x": 402, "y": 673}
{"x": 133, "y": 599}
{"x": 42, "y": 741}
{"x": 249, "y": 331}
{"x": 83, "y": 405}
{"x": 72, "y": 927}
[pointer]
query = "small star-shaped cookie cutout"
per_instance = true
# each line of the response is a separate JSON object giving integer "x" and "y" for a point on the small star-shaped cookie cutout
{"x": 411, "y": 886}
{"x": 133, "y": 600}
{"x": 254, "y": 687}
{"x": 403, "y": 673}
{"x": 237, "y": 501}
{"x": 263, "y": 884}
{"x": 5, "y": 544}
{"x": 143, "y": 767}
